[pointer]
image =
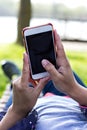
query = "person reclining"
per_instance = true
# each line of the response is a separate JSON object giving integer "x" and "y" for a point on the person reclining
{"x": 53, "y": 112}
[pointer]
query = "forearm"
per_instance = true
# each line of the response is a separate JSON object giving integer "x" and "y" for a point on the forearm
{"x": 9, "y": 120}
{"x": 79, "y": 94}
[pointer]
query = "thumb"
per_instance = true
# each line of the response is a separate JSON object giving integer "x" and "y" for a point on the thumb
{"x": 49, "y": 67}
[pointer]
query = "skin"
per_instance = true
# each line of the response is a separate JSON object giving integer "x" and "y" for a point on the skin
{"x": 24, "y": 97}
{"x": 63, "y": 77}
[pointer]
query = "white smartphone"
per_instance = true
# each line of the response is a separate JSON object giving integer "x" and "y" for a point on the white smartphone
{"x": 39, "y": 43}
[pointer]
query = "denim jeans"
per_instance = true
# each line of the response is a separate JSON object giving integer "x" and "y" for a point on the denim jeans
{"x": 50, "y": 88}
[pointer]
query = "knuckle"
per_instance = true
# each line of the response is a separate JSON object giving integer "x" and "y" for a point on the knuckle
{"x": 50, "y": 68}
{"x": 15, "y": 83}
{"x": 25, "y": 70}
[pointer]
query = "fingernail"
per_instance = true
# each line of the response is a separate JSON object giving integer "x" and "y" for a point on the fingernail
{"x": 44, "y": 62}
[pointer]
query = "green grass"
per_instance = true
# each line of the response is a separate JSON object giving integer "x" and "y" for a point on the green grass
{"x": 78, "y": 61}
{"x": 14, "y": 52}
{"x": 11, "y": 52}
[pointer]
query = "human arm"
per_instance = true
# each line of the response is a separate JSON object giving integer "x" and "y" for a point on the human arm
{"x": 62, "y": 77}
{"x": 9, "y": 119}
{"x": 24, "y": 97}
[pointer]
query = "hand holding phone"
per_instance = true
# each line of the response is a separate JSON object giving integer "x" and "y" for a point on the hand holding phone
{"x": 39, "y": 43}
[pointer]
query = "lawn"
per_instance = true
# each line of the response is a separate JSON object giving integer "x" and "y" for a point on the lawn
{"x": 78, "y": 61}
{"x": 13, "y": 52}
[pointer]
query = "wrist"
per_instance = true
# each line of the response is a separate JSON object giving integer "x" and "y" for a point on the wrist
{"x": 17, "y": 114}
{"x": 73, "y": 90}
{"x": 79, "y": 94}
{"x": 9, "y": 120}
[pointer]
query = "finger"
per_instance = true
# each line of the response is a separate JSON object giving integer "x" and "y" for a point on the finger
{"x": 61, "y": 56}
{"x": 41, "y": 85}
{"x": 25, "y": 70}
{"x": 16, "y": 82}
{"x": 60, "y": 48}
{"x": 50, "y": 68}
{"x": 33, "y": 82}
{"x": 57, "y": 40}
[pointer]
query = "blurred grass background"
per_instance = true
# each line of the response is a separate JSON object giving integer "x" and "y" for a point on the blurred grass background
{"x": 14, "y": 52}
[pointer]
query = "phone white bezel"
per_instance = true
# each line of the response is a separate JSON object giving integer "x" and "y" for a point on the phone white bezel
{"x": 36, "y": 30}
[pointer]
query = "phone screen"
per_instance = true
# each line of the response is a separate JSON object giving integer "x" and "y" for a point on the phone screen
{"x": 40, "y": 46}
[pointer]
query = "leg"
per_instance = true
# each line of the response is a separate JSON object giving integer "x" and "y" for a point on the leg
{"x": 50, "y": 86}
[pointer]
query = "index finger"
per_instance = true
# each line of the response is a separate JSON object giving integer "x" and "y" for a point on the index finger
{"x": 61, "y": 56}
{"x": 25, "y": 70}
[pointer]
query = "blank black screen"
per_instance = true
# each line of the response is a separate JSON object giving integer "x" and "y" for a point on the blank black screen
{"x": 40, "y": 46}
